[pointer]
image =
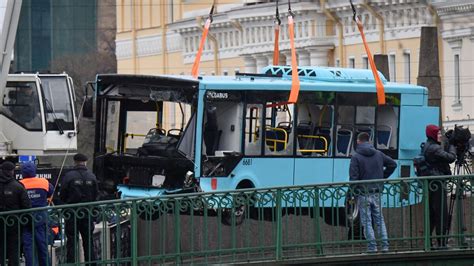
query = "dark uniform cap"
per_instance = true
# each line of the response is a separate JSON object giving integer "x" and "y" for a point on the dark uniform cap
{"x": 8, "y": 166}
{"x": 80, "y": 157}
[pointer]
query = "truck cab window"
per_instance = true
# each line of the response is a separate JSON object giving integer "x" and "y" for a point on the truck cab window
{"x": 21, "y": 104}
{"x": 57, "y": 103}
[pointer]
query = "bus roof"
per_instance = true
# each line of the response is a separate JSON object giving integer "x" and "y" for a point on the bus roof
{"x": 261, "y": 82}
{"x": 273, "y": 78}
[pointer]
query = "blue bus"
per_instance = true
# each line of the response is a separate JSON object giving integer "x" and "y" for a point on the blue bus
{"x": 234, "y": 134}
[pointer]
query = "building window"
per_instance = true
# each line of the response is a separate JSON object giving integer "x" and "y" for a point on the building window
{"x": 170, "y": 11}
{"x": 351, "y": 62}
{"x": 392, "y": 68}
{"x": 365, "y": 62}
{"x": 406, "y": 57}
{"x": 457, "y": 81}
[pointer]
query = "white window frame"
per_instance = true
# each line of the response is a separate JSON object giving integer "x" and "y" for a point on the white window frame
{"x": 170, "y": 11}
{"x": 407, "y": 66}
{"x": 457, "y": 78}
{"x": 392, "y": 67}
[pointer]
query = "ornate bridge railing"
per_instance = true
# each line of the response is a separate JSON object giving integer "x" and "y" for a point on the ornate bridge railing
{"x": 250, "y": 225}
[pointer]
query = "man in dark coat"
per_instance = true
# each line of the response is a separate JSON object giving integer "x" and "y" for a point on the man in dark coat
{"x": 79, "y": 186}
{"x": 13, "y": 196}
{"x": 370, "y": 164}
{"x": 438, "y": 164}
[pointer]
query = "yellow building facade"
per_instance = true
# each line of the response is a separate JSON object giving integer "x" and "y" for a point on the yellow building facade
{"x": 162, "y": 36}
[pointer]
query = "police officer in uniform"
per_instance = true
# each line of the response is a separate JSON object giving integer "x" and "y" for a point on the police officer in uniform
{"x": 13, "y": 196}
{"x": 78, "y": 186}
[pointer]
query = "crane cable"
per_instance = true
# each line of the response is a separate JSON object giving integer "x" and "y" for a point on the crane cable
{"x": 197, "y": 60}
{"x": 67, "y": 152}
{"x": 276, "y": 50}
{"x": 378, "y": 82}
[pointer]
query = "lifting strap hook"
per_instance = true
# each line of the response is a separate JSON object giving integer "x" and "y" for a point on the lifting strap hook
{"x": 211, "y": 18}
{"x": 289, "y": 9}
{"x": 277, "y": 15}
{"x": 354, "y": 11}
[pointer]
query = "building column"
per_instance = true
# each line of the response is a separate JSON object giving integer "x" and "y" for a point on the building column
{"x": 303, "y": 58}
{"x": 250, "y": 64}
{"x": 318, "y": 57}
{"x": 262, "y": 61}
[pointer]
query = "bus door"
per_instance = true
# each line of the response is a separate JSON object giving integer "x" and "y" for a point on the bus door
{"x": 314, "y": 162}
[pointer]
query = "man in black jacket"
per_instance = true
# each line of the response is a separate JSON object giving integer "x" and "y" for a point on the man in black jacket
{"x": 370, "y": 164}
{"x": 438, "y": 160}
{"x": 13, "y": 196}
{"x": 79, "y": 186}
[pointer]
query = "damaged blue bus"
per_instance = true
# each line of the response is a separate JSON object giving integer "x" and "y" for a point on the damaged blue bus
{"x": 231, "y": 134}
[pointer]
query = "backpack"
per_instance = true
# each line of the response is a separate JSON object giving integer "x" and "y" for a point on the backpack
{"x": 422, "y": 167}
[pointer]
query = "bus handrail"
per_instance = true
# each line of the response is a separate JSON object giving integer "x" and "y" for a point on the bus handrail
{"x": 275, "y": 141}
{"x": 325, "y": 150}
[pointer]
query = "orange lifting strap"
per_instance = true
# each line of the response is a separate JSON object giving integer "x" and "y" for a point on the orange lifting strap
{"x": 378, "y": 83}
{"x": 195, "y": 70}
{"x": 295, "y": 81}
{"x": 276, "y": 50}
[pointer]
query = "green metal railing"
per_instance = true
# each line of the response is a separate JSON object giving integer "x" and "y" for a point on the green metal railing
{"x": 274, "y": 224}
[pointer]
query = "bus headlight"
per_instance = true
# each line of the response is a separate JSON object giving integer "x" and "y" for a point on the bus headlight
{"x": 188, "y": 179}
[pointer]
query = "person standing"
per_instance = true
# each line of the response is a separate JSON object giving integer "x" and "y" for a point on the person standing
{"x": 36, "y": 235}
{"x": 369, "y": 164}
{"x": 79, "y": 186}
{"x": 13, "y": 196}
{"x": 438, "y": 160}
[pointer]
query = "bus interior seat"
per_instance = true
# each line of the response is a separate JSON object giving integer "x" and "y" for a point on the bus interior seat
{"x": 304, "y": 143}
{"x": 276, "y": 138}
{"x": 343, "y": 145}
{"x": 323, "y": 132}
{"x": 286, "y": 126}
{"x": 384, "y": 135}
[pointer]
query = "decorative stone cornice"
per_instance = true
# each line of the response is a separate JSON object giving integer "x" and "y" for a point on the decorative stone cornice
{"x": 454, "y": 8}
{"x": 457, "y": 34}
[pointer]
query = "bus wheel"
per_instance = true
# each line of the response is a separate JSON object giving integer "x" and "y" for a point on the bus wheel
{"x": 352, "y": 210}
{"x": 243, "y": 203}
{"x": 234, "y": 216}
{"x": 353, "y": 220}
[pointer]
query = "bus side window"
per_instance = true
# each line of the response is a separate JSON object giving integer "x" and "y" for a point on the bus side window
{"x": 344, "y": 130}
{"x": 314, "y": 130}
{"x": 253, "y": 129}
{"x": 222, "y": 132}
{"x": 387, "y": 127}
{"x": 278, "y": 130}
